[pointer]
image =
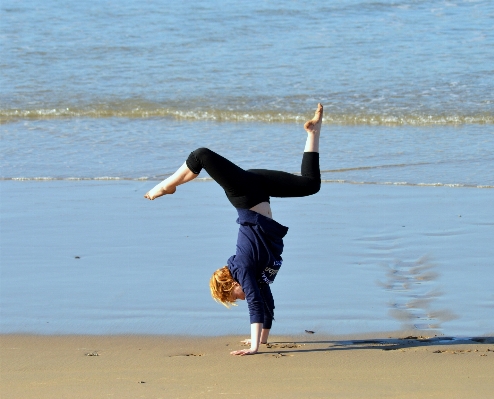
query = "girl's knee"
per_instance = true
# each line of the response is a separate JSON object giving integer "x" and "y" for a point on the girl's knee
{"x": 315, "y": 186}
{"x": 195, "y": 161}
{"x": 201, "y": 151}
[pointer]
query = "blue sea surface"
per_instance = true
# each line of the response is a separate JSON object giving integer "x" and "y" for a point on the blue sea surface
{"x": 414, "y": 60}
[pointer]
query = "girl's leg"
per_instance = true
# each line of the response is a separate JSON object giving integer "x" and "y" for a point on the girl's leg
{"x": 246, "y": 189}
{"x": 313, "y": 129}
{"x": 282, "y": 184}
{"x": 169, "y": 185}
{"x": 243, "y": 189}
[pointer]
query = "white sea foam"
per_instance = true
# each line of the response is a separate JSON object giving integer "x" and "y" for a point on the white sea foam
{"x": 351, "y": 118}
{"x": 198, "y": 179}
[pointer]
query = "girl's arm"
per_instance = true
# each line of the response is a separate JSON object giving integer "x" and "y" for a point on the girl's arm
{"x": 262, "y": 340}
{"x": 264, "y": 335}
{"x": 255, "y": 335}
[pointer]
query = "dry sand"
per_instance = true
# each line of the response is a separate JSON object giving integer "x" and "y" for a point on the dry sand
{"x": 310, "y": 366}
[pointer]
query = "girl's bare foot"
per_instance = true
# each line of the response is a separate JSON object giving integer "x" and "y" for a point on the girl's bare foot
{"x": 159, "y": 191}
{"x": 314, "y": 125}
{"x": 169, "y": 185}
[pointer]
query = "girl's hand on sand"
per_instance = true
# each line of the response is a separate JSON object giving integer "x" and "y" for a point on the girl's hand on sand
{"x": 244, "y": 352}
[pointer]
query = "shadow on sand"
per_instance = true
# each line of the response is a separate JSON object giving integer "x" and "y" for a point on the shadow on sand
{"x": 441, "y": 344}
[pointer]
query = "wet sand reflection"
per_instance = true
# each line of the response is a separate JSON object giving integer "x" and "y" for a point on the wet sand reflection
{"x": 413, "y": 285}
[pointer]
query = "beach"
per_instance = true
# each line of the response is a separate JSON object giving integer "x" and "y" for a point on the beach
{"x": 310, "y": 366}
{"x": 91, "y": 308}
{"x": 386, "y": 283}
{"x": 104, "y": 294}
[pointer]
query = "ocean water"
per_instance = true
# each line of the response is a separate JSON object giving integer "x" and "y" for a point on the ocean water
{"x": 416, "y": 62}
{"x": 127, "y": 89}
{"x": 106, "y": 90}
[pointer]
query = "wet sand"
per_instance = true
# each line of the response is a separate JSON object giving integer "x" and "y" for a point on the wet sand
{"x": 89, "y": 257}
{"x": 309, "y": 366}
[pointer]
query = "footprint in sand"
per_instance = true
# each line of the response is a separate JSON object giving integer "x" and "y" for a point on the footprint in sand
{"x": 188, "y": 354}
{"x": 286, "y": 345}
{"x": 278, "y": 355}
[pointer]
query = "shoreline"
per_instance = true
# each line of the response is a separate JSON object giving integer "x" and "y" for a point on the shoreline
{"x": 312, "y": 365}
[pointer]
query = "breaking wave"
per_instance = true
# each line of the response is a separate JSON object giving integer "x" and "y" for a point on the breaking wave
{"x": 126, "y": 110}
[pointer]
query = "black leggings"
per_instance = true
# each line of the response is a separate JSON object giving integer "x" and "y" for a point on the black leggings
{"x": 247, "y": 188}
